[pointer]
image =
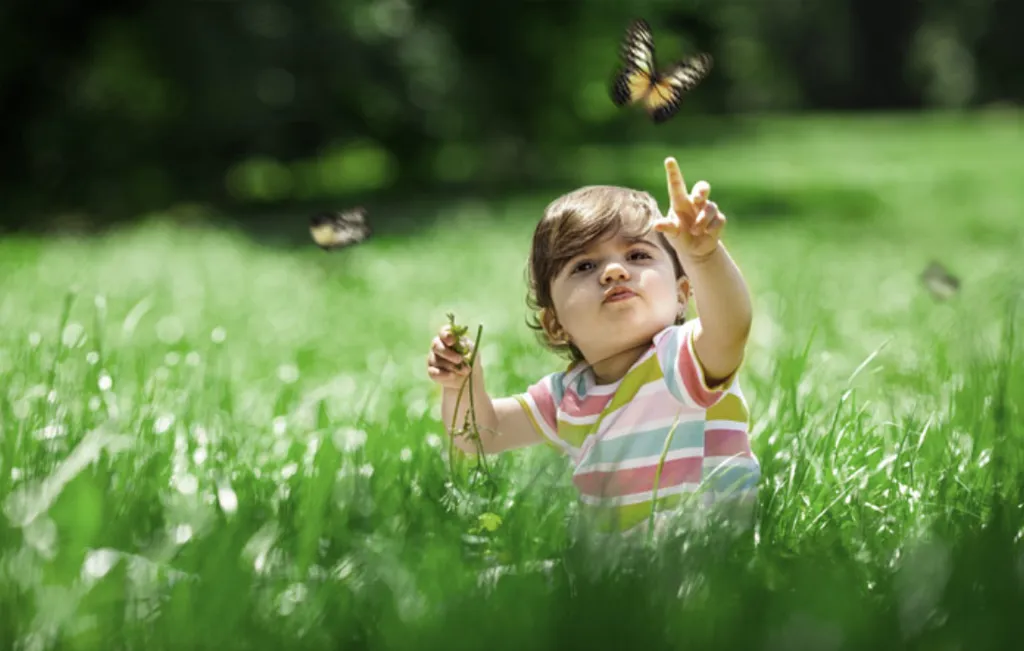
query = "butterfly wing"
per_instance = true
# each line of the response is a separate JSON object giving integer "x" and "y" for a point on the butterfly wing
{"x": 669, "y": 88}
{"x": 633, "y": 80}
{"x": 335, "y": 230}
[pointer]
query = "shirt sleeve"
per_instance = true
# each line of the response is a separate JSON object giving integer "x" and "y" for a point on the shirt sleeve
{"x": 683, "y": 372}
{"x": 540, "y": 402}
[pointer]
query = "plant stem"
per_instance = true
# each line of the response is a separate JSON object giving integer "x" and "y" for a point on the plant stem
{"x": 657, "y": 479}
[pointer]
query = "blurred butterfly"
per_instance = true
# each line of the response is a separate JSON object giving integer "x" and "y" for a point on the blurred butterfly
{"x": 638, "y": 80}
{"x": 939, "y": 281}
{"x": 336, "y": 230}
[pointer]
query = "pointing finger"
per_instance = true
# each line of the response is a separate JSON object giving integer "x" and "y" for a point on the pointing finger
{"x": 677, "y": 195}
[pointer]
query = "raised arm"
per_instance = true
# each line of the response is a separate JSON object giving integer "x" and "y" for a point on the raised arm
{"x": 693, "y": 227}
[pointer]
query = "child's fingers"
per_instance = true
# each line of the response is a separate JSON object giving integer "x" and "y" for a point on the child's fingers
{"x": 440, "y": 367}
{"x": 449, "y": 339}
{"x": 666, "y": 225}
{"x": 699, "y": 195}
{"x": 716, "y": 224}
{"x": 444, "y": 351}
{"x": 705, "y": 217}
{"x": 434, "y": 360}
{"x": 445, "y": 378}
{"x": 446, "y": 335}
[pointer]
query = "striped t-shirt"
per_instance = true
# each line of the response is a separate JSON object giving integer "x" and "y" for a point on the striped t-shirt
{"x": 616, "y": 433}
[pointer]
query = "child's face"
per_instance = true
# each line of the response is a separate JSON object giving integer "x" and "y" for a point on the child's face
{"x": 601, "y": 324}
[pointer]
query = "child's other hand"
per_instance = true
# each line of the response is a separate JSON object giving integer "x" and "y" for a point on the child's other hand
{"x": 445, "y": 365}
{"x": 693, "y": 224}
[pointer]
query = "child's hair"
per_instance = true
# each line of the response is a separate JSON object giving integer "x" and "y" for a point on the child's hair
{"x": 570, "y": 224}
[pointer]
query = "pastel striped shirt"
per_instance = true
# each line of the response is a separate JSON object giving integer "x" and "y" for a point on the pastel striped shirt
{"x": 615, "y": 434}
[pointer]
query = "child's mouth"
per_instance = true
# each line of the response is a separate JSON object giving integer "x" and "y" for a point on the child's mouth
{"x": 619, "y": 295}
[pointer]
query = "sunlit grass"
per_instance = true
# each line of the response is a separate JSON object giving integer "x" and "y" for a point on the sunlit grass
{"x": 207, "y": 443}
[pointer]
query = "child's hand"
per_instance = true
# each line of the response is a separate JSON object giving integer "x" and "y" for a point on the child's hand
{"x": 445, "y": 365}
{"x": 693, "y": 224}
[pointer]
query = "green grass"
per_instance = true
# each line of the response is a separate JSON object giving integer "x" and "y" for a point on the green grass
{"x": 210, "y": 443}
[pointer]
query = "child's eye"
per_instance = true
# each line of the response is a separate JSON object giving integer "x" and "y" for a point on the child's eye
{"x": 583, "y": 267}
{"x": 643, "y": 255}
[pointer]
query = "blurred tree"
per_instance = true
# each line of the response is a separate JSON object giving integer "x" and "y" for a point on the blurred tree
{"x": 114, "y": 108}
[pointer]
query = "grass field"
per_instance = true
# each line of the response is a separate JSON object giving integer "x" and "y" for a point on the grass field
{"x": 210, "y": 442}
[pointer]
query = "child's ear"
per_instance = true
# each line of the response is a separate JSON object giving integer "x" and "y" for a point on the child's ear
{"x": 683, "y": 295}
{"x": 685, "y": 291}
{"x": 552, "y": 328}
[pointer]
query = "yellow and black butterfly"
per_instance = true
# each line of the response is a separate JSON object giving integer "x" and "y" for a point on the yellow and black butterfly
{"x": 638, "y": 80}
{"x": 939, "y": 281}
{"x": 336, "y": 230}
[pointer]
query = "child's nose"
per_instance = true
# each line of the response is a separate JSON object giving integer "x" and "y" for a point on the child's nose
{"x": 614, "y": 271}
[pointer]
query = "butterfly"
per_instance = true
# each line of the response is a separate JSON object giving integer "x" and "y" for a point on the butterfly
{"x": 336, "y": 230}
{"x": 638, "y": 80}
{"x": 939, "y": 281}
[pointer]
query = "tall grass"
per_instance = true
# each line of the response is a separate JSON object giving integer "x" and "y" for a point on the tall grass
{"x": 207, "y": 443}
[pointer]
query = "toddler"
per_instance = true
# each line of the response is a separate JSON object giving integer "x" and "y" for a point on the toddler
{"x": 649, "y": 406}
